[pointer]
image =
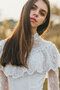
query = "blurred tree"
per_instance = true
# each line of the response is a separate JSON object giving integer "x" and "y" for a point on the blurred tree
{"x": 6, "y": 27}
{"x": 55, "y": 10}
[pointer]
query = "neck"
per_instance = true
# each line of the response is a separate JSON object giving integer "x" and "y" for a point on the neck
{"x": 34, "y": 30}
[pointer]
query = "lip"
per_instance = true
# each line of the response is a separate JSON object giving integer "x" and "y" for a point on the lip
{"x": 33, "y": 19}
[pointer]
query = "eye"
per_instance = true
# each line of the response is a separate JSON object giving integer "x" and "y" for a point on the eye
{"x": 41, "y": 13}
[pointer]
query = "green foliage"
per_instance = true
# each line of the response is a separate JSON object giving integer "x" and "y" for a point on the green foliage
{"x": 45, "y": 84}
{"x": 5, "y": 26}
{"x": 55, "y": 10}
{"x": 53, "y": 34}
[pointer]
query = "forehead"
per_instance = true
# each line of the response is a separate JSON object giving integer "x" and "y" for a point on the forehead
{"x": 41, "y": 5}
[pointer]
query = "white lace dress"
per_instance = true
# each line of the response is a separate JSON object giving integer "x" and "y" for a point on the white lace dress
{"x": 43, "y": 57}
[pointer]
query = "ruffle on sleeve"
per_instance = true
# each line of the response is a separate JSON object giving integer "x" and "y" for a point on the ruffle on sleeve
{"x": 13, "y": 71}
{"x": 34, "y": 66}
{"x": 53, "y": 58}
{"x": 41, "y": 60}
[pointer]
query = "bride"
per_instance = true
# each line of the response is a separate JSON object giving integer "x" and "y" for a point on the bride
{"x": 25, "y": 57}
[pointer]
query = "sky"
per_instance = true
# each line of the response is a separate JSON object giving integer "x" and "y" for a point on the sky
{"x": 10, "y": 9}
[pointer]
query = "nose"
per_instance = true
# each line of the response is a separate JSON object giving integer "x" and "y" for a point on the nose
{"x": 36, "y": 13}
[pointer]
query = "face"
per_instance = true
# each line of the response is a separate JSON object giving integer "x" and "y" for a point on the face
{"x": 38, "y": 13}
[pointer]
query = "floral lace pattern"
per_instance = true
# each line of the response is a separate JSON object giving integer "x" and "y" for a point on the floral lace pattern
{"x": 43, "y": 57}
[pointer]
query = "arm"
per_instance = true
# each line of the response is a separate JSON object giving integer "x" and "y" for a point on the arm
{"x": 3, "y": 81}
{"x": 53, "y": 60}
{"x": 53, "y": 82}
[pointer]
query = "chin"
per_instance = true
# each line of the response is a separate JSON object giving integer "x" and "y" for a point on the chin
{"x": 32, "y": 25}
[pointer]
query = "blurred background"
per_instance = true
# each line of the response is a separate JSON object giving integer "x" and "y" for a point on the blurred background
{"x": 10, "y": 14}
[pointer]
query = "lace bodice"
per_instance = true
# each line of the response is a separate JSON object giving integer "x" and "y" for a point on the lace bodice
{"x": 43, "y": 57}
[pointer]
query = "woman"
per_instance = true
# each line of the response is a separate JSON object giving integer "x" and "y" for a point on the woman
{"x": 25, "y": 56}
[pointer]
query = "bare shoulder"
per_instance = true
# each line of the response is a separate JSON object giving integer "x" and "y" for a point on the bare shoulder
{"x": 3, "y": 81}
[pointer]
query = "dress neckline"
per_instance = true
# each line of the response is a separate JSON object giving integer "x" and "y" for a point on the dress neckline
{"x": 36, "y": 36}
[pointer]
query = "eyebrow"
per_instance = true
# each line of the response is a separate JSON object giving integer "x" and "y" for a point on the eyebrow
{"x": 35, "y": 5}
{"x": 44, "y": 11}
{"x": 41, "y": 9}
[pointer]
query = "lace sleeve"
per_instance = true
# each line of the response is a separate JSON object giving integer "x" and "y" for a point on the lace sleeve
{"x": 53, "y": 81}
{"x": 52, "y": 70}
{"x": 53, "y": 59}
{"x": 1, "y": 46}
{"x": 3, "y": 81}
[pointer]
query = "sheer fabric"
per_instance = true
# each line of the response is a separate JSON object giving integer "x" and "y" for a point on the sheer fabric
{"x": 43, "y": 57}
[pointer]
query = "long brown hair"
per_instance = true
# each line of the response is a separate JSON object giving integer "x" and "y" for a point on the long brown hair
{"x": 18, "y": 46}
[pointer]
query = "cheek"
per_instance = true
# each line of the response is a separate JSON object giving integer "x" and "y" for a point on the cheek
{"x": 31, "y": 13}
{"x": 41, "y": 19}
